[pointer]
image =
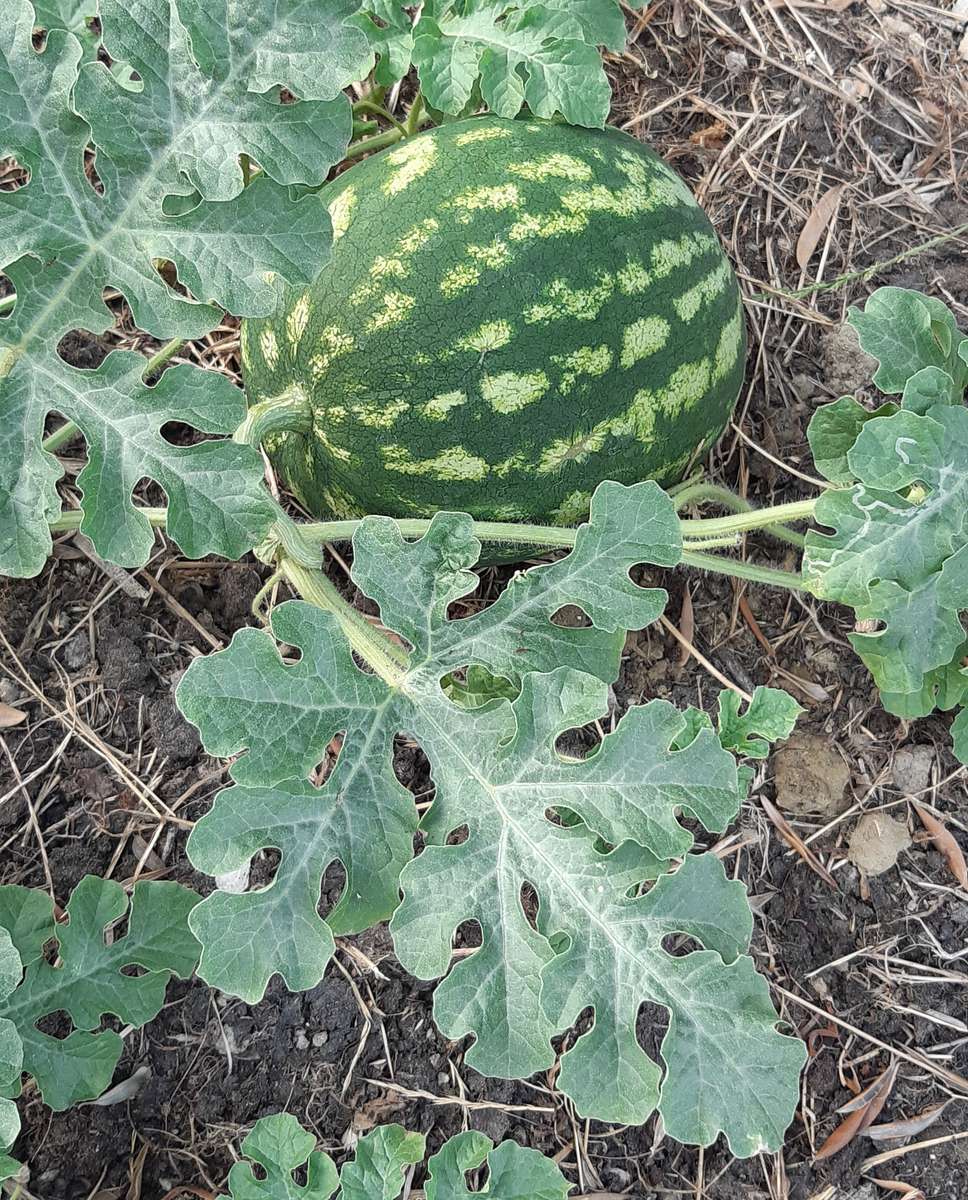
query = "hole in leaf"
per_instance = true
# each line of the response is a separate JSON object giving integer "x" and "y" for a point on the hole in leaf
{"x": 530, "y": 904}
{"x": 678, "y": 945}
{"x": 468, "y": 936}
{"x": 332, "y": 888}
{"x": 458, "y": 836}
{"x": 13, "y": 175}
{"x": 81, "y": 349}
{"x": 90, "y": 168}
{"x": 177, "y": 433}
{"x": 263, "y": 868}
{"x": 650, "y": 1028}
{"x": 570, "y": 616}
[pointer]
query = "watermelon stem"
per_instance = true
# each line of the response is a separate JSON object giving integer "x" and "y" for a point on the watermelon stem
{"x": 377, "y": 110}
{"x": 757, "y": 518}
{"x": 289, "y": 412}
{"x": 387, "y": 659}
{"x": 698, "y": 492}
{"x": 772, "y": 576}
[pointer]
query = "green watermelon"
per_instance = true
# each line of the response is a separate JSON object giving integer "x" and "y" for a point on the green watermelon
{"x": 514, "y": 311}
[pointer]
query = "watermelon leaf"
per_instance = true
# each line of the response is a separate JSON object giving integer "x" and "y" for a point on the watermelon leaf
{"x": 514, "y": 1172}
{"x": 279, "y": 1145}
{"x": 769, "y": 716}
{"x": 524, "y": 53}
{"x": 498, "y": 777}
{"x": 897, "y": 552}
{"x": 169, "y": 188}
{"x": 88, "y": 980}
{"x": 11, "y": 1053}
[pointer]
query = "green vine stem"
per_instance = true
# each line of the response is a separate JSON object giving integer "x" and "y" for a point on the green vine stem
{"x": 7, "y": 304}
{"x": 739, "y": 569}
{"x": 71, "y": 518}
{"x": 415, "y": 116}
{"x": 377, "y": 110}
{"x": 696, "y": 493}
{"x": 387, "y": 659}
{"x": 757, "y": 518}
{"x": 69, "y": 430}
{"x": 289, "y": 412}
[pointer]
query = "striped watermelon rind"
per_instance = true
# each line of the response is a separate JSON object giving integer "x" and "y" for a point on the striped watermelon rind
{"x": 514, "y": 311}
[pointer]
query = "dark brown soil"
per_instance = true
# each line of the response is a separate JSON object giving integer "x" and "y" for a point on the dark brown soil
{"x": 110, "y": 660}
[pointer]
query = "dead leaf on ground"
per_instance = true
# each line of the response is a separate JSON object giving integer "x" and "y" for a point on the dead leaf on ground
{"x": 823, "y": 214}
{"x": 907, "y": 1190}
{"x": 876, "y": 841}
{"x": 10, "y": 716}
{"x": 710, "y": 137}
{"x": 890, "y": 1131}
{"x": 945, "y": 844}
{"x": 687, "y": 624}
{"x": 860, "y": 1118}
{"x": 795, "y": 842}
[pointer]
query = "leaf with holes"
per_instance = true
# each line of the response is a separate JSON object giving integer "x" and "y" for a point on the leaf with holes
{"x": 88, "y": 979}
{"x": 500, "y": 778}
{"x": 169, "y": 189}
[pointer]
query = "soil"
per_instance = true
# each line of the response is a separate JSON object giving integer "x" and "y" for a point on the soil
{"x": 877, "y": 953}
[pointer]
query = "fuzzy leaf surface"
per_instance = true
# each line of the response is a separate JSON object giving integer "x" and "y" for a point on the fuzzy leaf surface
{"x": 498, "y": 776}
{"x": 203, "y": 97}
{"x": 88, "y": 981}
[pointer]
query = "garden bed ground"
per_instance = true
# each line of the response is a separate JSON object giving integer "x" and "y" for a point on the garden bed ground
{"x": 106, "y": 777}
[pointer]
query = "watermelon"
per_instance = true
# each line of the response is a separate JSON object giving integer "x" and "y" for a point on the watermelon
{"x": 514, "y": 311}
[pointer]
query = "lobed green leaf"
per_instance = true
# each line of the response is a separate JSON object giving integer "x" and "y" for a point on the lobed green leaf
{"x": 584, "y": 833}
{"x": 279, "y": 1145}
{"x": 168, "y": 189}
{"x": 898, "y": 550}
{"x": 88, "y": 979}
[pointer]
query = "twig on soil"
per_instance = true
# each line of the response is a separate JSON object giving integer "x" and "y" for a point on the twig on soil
{"x": 456, "y": 1101}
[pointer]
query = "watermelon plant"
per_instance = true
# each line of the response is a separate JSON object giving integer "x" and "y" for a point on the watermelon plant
{"x": 86, "y": 980}
{"x": 381, "y": 1164}
{"x": 524, "y": 327}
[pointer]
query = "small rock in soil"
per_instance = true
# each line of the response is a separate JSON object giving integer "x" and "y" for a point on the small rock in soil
{"x": 876, "y": 842}
{"x": 912, "y": 769}
{"x": 810, "y": 776}
{"x": 77, "y": 652}
{"x": 846, "y": 367}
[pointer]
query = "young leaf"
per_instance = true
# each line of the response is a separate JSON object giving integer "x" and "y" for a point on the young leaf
{"x": 11, "y": 1053}
{"x": 897, "y": 556}
{"x": 833, "y": 431}
{"x": 87, "y": 981}
{"x": 907, "y": 331}
{"x": 769, "y": 716}
{"x": 523, "y": 54}
{"x": 388, "y": 28}
{"x": 514, "y": 1172}
{"x": 199, "y": 103}
{"x": 279, "y": 1145}
{"x": 499, "y": 777}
